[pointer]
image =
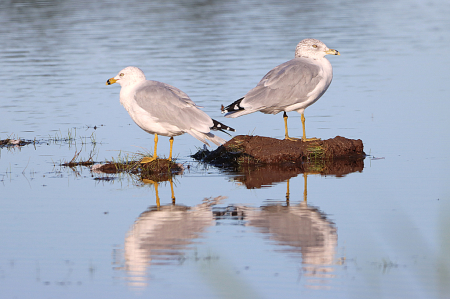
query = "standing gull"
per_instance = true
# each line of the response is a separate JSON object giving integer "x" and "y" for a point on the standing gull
{"x": 161, "y": 109}
{"x": 291, "y": 86}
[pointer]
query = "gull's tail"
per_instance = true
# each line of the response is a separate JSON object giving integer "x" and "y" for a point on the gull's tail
{"x": 207, "y": 136}
{"x": 216, "y": 139}
{"x": 217, "y": 126}
{"x": 235, "y": 109}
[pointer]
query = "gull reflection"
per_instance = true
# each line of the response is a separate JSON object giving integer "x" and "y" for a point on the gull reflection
{"x": 162, "y": 234}
{"x": 303, "y": 229}
{"x": 297, "y": 228}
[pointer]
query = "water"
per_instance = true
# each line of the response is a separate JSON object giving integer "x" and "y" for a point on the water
{"x": 377, "y": 233}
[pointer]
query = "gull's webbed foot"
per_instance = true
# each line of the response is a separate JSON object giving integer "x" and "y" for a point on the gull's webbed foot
{"x": 304, "y": 139}
{"x": 146, "y": 160}
{"x": 290, "y": 138}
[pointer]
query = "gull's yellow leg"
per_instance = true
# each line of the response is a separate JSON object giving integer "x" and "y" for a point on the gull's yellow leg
{"x": 304, "y": 130}
{"x": 286, "y": 135}
{"x": 148, "y": 159}
{"x": 287, "y": 192}
{"x": 171, "y": 189}
{"x": 171, "y": 146}
{"x": 305, "y": 193}
{"x": 156, "y": 146}
{"x": 155, "y": 184}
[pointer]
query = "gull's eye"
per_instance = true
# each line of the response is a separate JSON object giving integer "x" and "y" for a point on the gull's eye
{"x": 314, "y": 46}
{"x": 121, "y": 75}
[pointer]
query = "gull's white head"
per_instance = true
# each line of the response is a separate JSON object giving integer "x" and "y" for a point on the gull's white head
{"x": 313, "y": 48}
{"x": 128, "y": 76}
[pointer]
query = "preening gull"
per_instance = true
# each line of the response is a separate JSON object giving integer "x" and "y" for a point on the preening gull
{"x": 291, "y": 86}
{"x": 161, "y": 109}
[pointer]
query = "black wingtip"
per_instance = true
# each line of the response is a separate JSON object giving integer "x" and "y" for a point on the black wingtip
{"x": 218, "y": 126}
{"x": 235, "y": 106}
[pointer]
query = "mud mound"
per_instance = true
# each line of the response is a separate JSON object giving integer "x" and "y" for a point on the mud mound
{"x": 244, "y": 149}
{"x": 158, "y": 170}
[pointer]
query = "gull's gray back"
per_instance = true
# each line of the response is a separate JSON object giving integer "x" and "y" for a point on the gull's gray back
{"x": 285, "y": 85}
{"x": 170, "y": 105}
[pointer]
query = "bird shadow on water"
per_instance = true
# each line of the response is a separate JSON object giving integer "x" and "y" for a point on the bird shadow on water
{"x": 166, "y": 235}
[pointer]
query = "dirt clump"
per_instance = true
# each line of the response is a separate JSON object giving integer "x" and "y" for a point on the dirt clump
{"x": 158, "y": 170}
{"x": 244, "y": 149}
{"x": 13, "y": 142}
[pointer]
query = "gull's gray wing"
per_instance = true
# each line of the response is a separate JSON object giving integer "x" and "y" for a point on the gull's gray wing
{"x": 170, "y": 105}
{"x": 285, "y": 85}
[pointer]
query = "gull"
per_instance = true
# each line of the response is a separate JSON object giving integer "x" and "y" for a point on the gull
{"x": 162, "y": 109}
{"x": 291, "y": 86}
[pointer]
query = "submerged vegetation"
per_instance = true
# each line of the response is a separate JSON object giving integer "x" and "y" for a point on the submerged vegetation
{"x": 157, "y": 170}
{"x": 8, "y": 142}
{"x": 76, "y": 161}
{"x": 59, "y": 137}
